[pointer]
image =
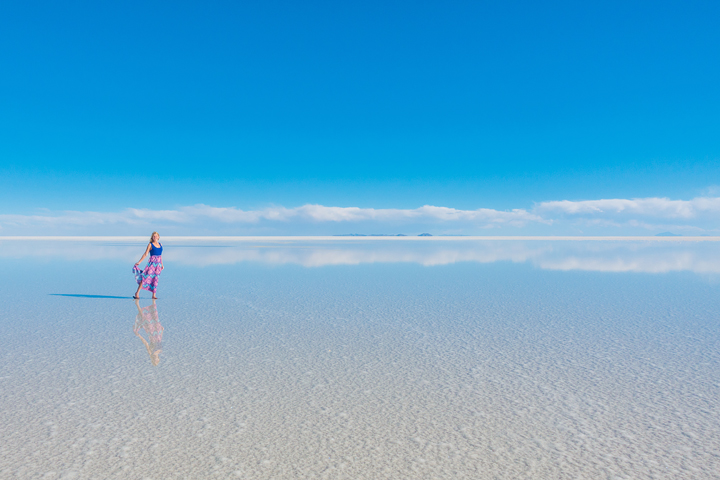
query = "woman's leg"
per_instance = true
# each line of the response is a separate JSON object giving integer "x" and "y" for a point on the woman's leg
{"x": 137, "y": 293}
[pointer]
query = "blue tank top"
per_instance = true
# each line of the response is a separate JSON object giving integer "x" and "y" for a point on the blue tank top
{"x": 154, "y": 250}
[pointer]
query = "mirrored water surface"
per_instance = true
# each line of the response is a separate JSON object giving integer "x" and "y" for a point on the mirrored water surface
{"x": 361, "y": 359}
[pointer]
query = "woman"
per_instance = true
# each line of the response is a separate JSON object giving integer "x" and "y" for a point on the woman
{"x": 148, "y": 279}
{"x": 147, "y": 319}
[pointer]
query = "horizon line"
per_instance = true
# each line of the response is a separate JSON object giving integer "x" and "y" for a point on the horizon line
{"x": 173, "y": 238}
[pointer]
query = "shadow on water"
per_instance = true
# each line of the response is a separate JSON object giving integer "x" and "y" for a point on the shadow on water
{"x": 83, "y": 296}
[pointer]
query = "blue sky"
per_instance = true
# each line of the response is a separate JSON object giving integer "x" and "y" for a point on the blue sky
{"x": 255, "y": 106}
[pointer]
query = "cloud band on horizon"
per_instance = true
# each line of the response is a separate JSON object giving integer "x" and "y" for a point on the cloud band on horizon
{"x": 699, "y": 215}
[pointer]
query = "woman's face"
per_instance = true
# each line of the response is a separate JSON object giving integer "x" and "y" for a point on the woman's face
{"x": 156, "y": 238}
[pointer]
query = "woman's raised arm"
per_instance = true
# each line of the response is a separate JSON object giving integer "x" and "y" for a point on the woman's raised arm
{"x": 147, "y": 250}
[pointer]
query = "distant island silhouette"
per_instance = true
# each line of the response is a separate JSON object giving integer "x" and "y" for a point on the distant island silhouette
{"x": 378, "y": 235}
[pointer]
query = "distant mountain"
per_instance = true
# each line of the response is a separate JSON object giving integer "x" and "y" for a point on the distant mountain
{"x": 668, "y": 234}
{"x": 425, "y": 235}
{"x": 371, "y": 235}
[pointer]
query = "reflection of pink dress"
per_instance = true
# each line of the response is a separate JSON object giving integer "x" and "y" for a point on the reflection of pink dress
{"x": 148, "y": 278}
{"x": 148, "y": 320}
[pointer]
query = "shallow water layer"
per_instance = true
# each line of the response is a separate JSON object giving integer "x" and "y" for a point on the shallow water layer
{"x": 292, "y": 359}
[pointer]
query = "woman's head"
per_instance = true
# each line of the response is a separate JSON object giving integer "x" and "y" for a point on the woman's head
{"x": 152, "y": 237}
{"x": 155, "y": 357}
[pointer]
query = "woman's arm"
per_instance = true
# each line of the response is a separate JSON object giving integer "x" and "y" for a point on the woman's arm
{"x": 147, "y": 345}
{"x": 147, "y": 250}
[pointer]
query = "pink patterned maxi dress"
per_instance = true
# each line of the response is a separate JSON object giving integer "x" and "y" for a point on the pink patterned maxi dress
{"x": 149, "y": 277}
{"x": 147, "y": 319}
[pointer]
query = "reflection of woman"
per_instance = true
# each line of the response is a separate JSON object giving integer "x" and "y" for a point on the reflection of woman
{"x": 148, "y": 279}
{"x": 147, "y": 319}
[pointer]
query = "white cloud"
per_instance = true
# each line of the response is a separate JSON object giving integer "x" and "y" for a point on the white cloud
{"x": 651, "y": 207}
{"x": 638, "y": 216}
{"x": 321, "y": 213}
{"x": 312, "y": 213}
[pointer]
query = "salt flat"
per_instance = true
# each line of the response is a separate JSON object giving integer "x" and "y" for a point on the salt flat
{"x": 323, "y": 358}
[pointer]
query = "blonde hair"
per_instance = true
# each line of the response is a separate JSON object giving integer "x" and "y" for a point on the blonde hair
{"x": 155, "y": 357}
{"x": 153, "y": 234}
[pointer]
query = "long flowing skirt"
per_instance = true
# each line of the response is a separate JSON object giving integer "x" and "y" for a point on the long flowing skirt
{"x": 149, "y": 277}
{"x": 149, "y": 321}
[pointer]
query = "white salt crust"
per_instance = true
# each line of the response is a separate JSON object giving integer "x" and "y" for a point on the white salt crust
{"x": 371, "y": 371}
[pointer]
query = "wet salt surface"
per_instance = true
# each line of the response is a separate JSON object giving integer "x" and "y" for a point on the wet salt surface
{"x": 390, "y": 366}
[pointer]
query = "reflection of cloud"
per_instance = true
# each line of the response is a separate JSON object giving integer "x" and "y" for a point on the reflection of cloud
{"x": 656, "y": 256}
{"x": 319, "y": 256}
{"x": 648, "y": 263}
